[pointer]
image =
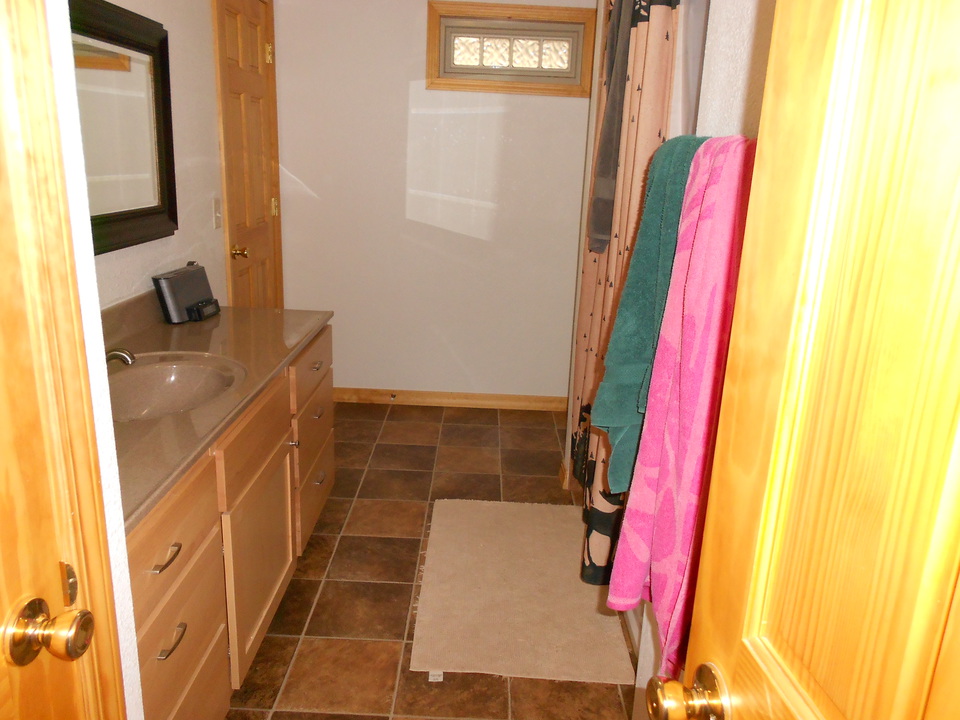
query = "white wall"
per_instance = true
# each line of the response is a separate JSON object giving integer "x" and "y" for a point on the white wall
{"x": 735, "y": 66}
{"x": 688, "y": 67}
{"x": 124, "y": 273}
{"x": 441, "y": 227}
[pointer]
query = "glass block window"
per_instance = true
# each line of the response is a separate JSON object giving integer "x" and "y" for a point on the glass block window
{"x": 496, "y": 52}
{"x": 510, "y": 48}
{"x": 466, "y": 51}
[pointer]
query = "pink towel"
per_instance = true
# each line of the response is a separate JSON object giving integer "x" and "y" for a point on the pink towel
{"x": 656, "y": 556}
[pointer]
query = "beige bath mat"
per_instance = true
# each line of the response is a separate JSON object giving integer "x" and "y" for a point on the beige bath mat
{"x": 502, "y": 595}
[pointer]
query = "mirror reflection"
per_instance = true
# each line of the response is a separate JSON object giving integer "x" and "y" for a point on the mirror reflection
{"x": 123, "y": 88}
{"x": 115, "y": 93}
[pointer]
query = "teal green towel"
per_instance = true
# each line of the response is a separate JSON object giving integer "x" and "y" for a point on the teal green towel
{"x": 622, "y": 396}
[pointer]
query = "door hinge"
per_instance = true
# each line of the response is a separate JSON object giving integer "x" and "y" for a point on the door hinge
{"x": 269, "y": 53}
{"x": 275, "y": 206}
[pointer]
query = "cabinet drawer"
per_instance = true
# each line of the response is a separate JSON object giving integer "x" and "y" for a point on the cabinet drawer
{"x": 247, "y": 445}
{"x": 311, "y": 364}
{"x": 185, "y": 627}
{"x": 165, "y": 543}
{"x": 209, "y": 695}
{"x": 313, "y": 424}
{"x": 313, "y": 492}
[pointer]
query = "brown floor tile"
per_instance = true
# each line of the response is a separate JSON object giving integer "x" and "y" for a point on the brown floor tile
{"x": 471, "y": 416}
{"x": 351, "y": 596}
{"x": 415, "y": 413}
{"x": 460, "y": 695}
{"x": 360, "y": 411}
{"x": 344, "y": 676}
{"x": 352, "y": 455}
{"x": 555, "y": 700}
{"x": 396, "y": 484}
{"x": 346, "y": 482}
{"x": 468, "y": 459}
{"x": 375, "y": 559}
{"x": 386, "y": 518}
{"x": 236, "y": 714}
{"x": 295, "y": 607}
{"x": 410, "y": 433}
{"x": 316, "y": 556}
{"x": 527, "y": 418}
{"x": 525, "y": 438}
{"x": 363, "y": 431}
{"x": 531, "y": 462}
{"x": 403, "y": 457}
{"x": 412, "y": 620}
{"x": 465, "y": 486}
{"x": 374, "y": 611}
{"x": 470, "y": 435}
{"x": 332, "y": 516}
{"x": 321, "y": 716}
{"x": 535, "y": 489}
{"x": 263, "y": 681}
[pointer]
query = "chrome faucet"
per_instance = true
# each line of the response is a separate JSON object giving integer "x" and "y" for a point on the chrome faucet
{"x": 125, "y": 356}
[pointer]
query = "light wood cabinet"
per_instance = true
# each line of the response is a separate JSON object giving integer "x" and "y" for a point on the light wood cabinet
{"x": 310, "y": 367}
{"x": 176, "y": 574}
{"x": 255, "y": 481}
{"x": 311, "y": 402}
{"x": 210, "y": 563}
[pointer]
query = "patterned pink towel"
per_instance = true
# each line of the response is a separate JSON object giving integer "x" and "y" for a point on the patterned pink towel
{"x": 657, "y": 552}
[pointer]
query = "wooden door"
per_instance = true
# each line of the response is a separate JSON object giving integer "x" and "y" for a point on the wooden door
{"x": 50, "y": 502}
{"x": 832, "y": 540}
{"x": 246, "y": 79}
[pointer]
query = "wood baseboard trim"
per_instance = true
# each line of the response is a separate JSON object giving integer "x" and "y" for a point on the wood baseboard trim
{"x": 448, "y": 399}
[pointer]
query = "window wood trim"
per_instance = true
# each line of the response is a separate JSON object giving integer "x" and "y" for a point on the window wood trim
{"x": 437, "y": 9}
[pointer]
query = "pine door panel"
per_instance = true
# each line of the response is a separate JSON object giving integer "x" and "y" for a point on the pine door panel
{"x": 832, "y": 542}
{"x": 250, "y": 152}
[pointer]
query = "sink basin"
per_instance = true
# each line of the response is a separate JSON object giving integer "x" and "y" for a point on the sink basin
{"x": 165, "y": 383}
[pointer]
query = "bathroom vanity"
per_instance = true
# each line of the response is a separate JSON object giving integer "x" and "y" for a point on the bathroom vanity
{"x": 220, "y": 499}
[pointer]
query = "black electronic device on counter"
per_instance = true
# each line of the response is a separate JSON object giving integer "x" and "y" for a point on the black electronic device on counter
{"x": 185, "y": 294}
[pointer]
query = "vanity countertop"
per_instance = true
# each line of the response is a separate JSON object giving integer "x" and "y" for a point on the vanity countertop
{"x": 153, "y": 454}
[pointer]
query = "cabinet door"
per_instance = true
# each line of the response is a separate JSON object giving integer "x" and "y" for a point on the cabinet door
{"x": 250, "y": 442}
{"x": 259, "y": 557}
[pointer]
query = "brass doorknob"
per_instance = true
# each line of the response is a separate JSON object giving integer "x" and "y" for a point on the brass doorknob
{"x": 237, "y": 251}
{"x": 669, "y": 699}
{"x": 65, "y": 636}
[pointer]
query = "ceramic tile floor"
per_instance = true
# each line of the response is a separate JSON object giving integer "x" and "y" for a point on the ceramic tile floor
{"x": 339, "y": 646}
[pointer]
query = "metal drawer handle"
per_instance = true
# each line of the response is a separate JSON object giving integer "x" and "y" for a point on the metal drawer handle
{"x": 320, "y": 413}
{"x": 317, "y": 365}
{"x": 294, "y": 443}
{"x": 181, "y": 631}
{"x": 323, "y": 478}
{"x": 171, "y": 556}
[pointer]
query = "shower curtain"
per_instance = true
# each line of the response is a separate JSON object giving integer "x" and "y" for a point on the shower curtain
{"x": 634, "y": 107}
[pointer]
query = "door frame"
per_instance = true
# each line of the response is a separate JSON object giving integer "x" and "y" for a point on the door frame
{"x": 44, "y": 295}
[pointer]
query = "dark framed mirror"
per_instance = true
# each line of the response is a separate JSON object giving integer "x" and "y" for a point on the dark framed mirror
{"x": 123, "y": 88}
